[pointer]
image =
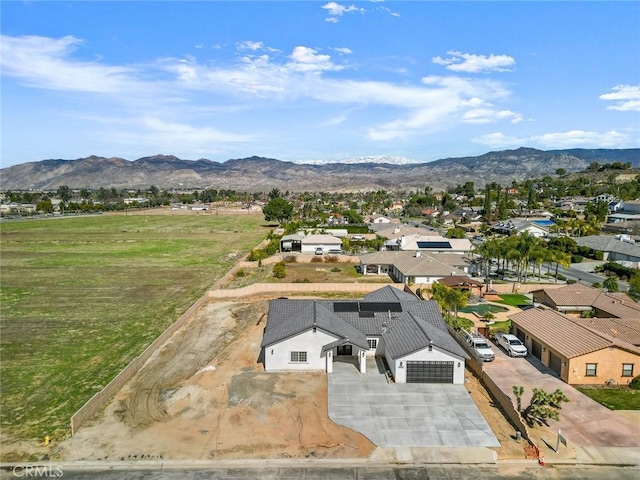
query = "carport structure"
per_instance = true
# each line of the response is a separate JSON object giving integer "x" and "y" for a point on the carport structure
{"x": 405, "y": 415}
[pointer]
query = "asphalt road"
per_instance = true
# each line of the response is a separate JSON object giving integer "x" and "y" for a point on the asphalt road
{"x": 582, "y": 272}
{"x": 431, "y": 472}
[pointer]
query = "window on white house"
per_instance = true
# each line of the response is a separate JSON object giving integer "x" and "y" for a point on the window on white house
{"x": 373, "y": 343}
{"x": 592, "y": 369}
{"x": 298, "y": 357}
{"x": 627, "y": 369}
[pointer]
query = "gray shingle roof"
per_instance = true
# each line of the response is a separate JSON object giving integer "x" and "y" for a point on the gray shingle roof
{"x": 390, "y": 294}
{"x": 290, "y": 317}
{"x": 411, "y": 333}
{"x": 607, "y": 243}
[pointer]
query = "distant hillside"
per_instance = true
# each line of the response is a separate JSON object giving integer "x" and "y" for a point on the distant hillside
{"x": 263, "y": 174}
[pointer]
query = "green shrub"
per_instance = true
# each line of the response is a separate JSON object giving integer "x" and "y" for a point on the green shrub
{"x": 279, "y": 270}
{"x": 335, "y": 269}
{"x": 599, "y": 255}
{"x": 317, "y": 260}
{"x": 576, "y": 258}
{"x": 304, "y": 280}
{"x": 241, "y": 273}
{"x": 571, "y": 282}
{"x": 635, "y": 383}
{"x": 257, "y": 255}
{"x": 596, "y": 285}
{"x": 291, "y": 259}
{"x": 561, "y": 277}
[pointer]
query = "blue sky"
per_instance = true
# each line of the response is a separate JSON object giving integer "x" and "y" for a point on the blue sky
{"x": 307, "y": 80}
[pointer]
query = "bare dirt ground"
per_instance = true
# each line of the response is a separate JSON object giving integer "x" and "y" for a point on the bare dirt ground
{"x": 205, "y": 396}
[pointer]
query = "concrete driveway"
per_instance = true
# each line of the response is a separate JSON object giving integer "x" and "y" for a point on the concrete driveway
{"x": 405, "y": 415}
{"x": 582, "y": 421}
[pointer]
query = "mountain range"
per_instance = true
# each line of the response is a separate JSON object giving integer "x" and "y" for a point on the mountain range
{"x": 254, "y": 174}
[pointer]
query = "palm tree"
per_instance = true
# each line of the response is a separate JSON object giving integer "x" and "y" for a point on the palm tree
{"x": 562, "y": 258}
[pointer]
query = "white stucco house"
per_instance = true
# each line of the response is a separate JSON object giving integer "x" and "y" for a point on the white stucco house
{"x": 409, "y": 333}
{"x": 325, "y": 242}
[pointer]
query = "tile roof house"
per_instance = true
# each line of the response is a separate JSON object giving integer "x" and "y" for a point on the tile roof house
{"x": 576, "y": 298}
{"x": 577, "y": 353}
{"x": 411, "y": 335}
{"x": 414, "y": 267}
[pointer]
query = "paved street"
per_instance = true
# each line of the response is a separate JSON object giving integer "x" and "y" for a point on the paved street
{"x": 405, "y": 414}
{"x": 429, "y": 472}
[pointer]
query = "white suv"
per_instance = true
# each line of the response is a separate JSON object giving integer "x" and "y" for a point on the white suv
{"x": 512, "y": 344}
{"x": 481, "y": 346}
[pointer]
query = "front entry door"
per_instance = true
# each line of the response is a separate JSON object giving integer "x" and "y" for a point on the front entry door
{"x": 344, "y": 350}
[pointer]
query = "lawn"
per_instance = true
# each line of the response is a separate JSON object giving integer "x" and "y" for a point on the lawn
{"x": 81, "y": 297}
{"x": 620, "y": 398}
{"x": 514, "y": 299}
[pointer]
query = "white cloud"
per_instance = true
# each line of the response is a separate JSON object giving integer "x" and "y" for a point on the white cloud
{"x": 627, "y": 98}
{"x": 44, "y": 63}
{"x": 343, "y": 50}
{"x": 577, "y": 138}
{"x": 488, "y": 115}
{"x": 389, "y": 11}
{"x": 557, "y": 140}
{"x": 497, "y": 140}
{"x": 337, "y": 10}
{"x": 307, "y": 59}
{"x": 249, "y": 45}
{"x": 470, "y": 63}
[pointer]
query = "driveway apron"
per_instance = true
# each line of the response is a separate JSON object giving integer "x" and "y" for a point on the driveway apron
{"x": 405, "y": 414}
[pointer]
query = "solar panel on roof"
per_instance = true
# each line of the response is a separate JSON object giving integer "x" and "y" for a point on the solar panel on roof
{"x": 434, "y": 244}
{"x": 343, "y": 307}
{"x": 380, "y": 307}
{"x": 367, "y": 314}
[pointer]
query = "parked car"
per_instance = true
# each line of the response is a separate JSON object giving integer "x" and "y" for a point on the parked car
{"x": 357, "y": 237}
{"x": 512, "y": 344}
{"x": 335, "y": 251}
{"x": 481, "y": 346}
{"x": 319, "y": 251}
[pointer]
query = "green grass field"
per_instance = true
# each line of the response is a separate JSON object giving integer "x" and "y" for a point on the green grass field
{"x": 514, "y": 299}
{"x": 81, "y": 297}
{"x": 614, "y": 398}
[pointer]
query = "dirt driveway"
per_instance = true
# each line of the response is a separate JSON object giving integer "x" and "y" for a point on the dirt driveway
{"x": 583, "y": 421}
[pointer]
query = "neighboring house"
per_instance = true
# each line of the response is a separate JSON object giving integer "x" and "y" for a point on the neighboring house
{"x": 291, "y": 243}
{"x": 429, "y": 244}
{"x": 380, "y": 220}
{"x": 578, "y": 354}
{"x": 463, "y": 283}
{"x": 517, "y": 226}
{"x": 409, "y": 333}
{"x": 396, "y": 231}
{"x": 630, "y": 206}
{"x": 411, "y": 267}
{"x": 576, "y": 298}
{"x": 326, "y": 242}
{"x": 613, "y": 248}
